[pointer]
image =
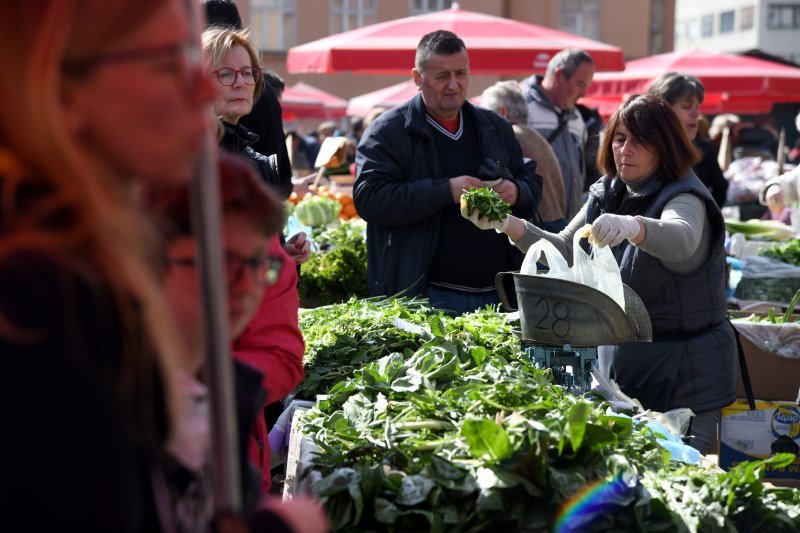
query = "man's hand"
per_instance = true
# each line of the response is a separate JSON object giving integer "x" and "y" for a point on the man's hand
{"x": 463, "y": 183}
{"x": 774, "y": 197}
{"x": 298, "y": 248}
{"x": 508, "y": 191}
{"x": 483, "y": 222}
{"x": 611, "y": 229}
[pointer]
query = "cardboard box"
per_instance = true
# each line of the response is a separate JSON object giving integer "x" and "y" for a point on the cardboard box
{"x": 747, "y": 435}
{"x": 773, "y": 377}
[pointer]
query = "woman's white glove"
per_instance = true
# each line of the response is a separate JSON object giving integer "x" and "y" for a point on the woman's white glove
{"x": 611, "y": 229}
{"x": 482, "y": 222}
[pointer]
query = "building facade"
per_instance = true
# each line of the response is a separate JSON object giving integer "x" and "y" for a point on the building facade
{"x": 639, "y": 27}
{"x": 737, "y": 26}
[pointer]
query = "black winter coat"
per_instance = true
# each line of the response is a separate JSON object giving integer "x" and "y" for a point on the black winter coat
{"x": 709, "y": 172}
{"x": 238, "y": 140}
{"x": 400, "y": 192}
{"x": 266, "y": 121}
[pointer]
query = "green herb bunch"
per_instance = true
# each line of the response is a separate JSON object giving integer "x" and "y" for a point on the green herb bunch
{"x": 788, "y": 252}
{"x": 338, "y": 271}
{"x": 488, "y": 203}
{"x": 772, "y": 318}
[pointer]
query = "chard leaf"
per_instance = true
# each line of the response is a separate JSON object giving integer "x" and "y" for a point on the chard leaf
{"x": 385, "y": 511}
{"x": 576, "y": 424}
{"x": 414, "y": 489}
{"x": 478, "y": 354}
{"x": 486, "y": 438}
{"x": 338, "y": 481}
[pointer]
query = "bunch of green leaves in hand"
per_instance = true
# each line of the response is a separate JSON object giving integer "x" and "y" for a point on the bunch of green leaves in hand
{"x": 488, "y": 203}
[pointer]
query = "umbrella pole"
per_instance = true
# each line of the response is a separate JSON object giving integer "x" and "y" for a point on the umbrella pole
{"x": 206, "y": 228}
{"x": 725, "y": 149}
{"x": 780, "y": 157}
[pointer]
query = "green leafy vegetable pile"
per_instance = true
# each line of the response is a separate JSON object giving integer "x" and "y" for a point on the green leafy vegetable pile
{"x": 338, "y": 270}
{"x": 772, "y": 318}
{"x": 488, "y": 203}
{"x": 788, "y": 252}
{"x": 763, "y": 230}
{"x": 441, "y": 424}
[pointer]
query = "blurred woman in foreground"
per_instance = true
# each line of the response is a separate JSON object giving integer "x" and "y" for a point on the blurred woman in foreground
{"x": 100, "y": 97}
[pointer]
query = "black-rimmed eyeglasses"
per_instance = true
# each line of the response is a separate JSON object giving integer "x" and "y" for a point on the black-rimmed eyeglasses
{"x": 264, "y": 271}
{"x": 227, "y": 76}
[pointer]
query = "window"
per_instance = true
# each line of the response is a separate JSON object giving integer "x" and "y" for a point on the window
{"x": 726, "y": 19}
{"x": 691, "y": 29}
{"x": 746, "y": 16}
{"x": 783, "y": 17}
{"x": 657, "y": 27}
{"x": 418, "y": 7}
{"x": 706, "y": 25}
{"x": 581, "y": 17}
{"x": 351, "y": 14}
{"x": 274, "y": 24}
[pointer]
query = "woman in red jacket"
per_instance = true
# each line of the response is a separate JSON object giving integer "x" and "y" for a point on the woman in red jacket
{"x": 262, "y": 306}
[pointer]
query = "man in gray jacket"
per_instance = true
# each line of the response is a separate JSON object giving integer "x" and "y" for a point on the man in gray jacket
{"x": 551, "y": 111}
{"x": 414, "y": 162}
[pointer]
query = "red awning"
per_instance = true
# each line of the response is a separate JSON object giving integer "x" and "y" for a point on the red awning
{"x": 496, "y": 46}
{"x": 733, "y": 84}
{"x": 306, "y": 101}
{"x": 360, "y": 106}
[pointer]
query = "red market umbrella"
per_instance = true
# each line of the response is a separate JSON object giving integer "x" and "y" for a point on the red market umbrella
{"x": 496, "y": 46}
{"x": 734, "y": 84}
{"x": 302, "y": 100}
{"x": 360, "y": 106}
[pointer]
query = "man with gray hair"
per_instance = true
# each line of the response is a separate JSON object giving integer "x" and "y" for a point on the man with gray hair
{"x": 414, "y": 162}
{"x": 551, "y": 111}
{"x": 507, "y": 100}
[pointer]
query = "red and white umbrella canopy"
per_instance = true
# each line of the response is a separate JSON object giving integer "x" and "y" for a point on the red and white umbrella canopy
{"x": 496, "y": 45}
{"x": 302, "y": 100}
{"x": 360, "y": 106}
{"x": 733, "y": 84}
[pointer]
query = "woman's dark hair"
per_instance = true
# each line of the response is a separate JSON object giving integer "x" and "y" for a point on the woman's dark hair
{"x": 241, "y": 192}
{"x": 674, "y": 86}
{"x": 651, "y": 121}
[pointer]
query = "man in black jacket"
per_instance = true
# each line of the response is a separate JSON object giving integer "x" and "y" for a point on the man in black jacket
{"x": 413, "y": 164}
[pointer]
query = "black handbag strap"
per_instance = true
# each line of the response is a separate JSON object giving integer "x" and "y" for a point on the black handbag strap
{"x": 561, "y": 123}
{"x": 748, "y": 387}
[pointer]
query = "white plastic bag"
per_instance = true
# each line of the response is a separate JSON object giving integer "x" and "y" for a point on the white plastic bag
{"x": 778, "y": 339}
{"x": 599, "y": 271}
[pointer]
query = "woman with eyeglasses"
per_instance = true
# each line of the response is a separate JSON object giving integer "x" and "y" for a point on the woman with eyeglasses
{"x": 272, "y": 341}
{"x": 233, "y": 62}
{"x": 100, "y": 97}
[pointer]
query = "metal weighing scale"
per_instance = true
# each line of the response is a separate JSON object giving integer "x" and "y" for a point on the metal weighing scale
{"x": 562, "y": 323}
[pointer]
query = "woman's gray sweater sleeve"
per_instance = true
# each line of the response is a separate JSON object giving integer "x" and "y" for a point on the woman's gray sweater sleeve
{"x": 561, "y": 240}
{"x": 681, "y": 238}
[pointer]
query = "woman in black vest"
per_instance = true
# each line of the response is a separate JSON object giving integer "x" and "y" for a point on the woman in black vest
{"x": 667, "y": 233}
